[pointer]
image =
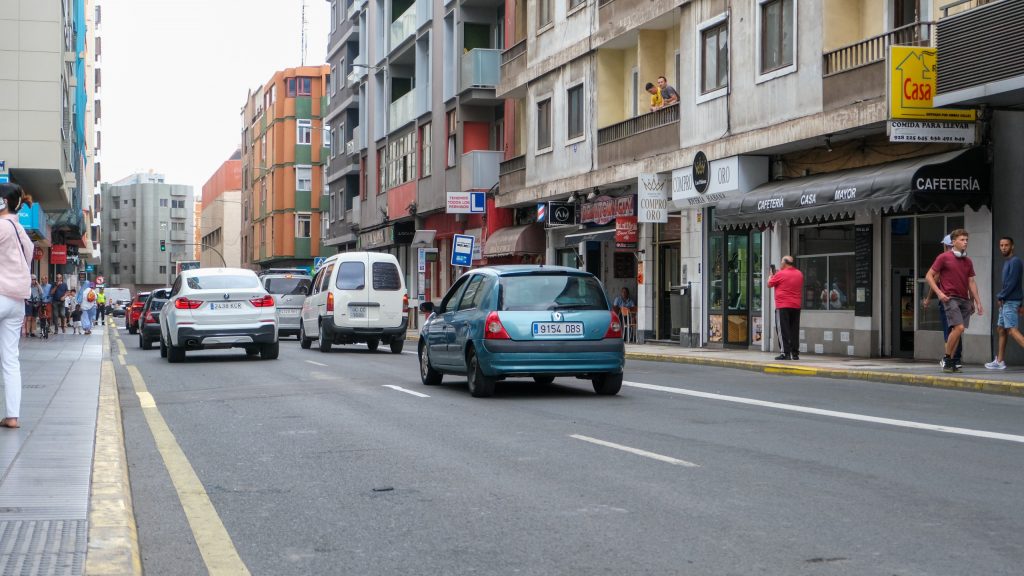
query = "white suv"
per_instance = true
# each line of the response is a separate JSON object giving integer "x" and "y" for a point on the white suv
{"x": 356, "y": 297}
{"x": 218, "y": 308}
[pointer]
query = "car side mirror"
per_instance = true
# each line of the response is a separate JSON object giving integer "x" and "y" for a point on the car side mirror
{"x": 427, "y": 307}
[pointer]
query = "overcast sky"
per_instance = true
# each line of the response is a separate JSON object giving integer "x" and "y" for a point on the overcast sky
{"x": 176, "y": 74}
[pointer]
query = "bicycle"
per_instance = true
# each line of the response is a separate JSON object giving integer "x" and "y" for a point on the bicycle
{"x": 45, "y": 315}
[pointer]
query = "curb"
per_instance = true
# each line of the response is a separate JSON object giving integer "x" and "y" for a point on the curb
{"x": 949, "y": 382}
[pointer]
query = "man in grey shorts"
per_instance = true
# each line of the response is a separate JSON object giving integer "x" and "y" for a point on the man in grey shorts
{"x": 951, "y": 277}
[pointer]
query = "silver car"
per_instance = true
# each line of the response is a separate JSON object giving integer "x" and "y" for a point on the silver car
{"x": 289, "y": 288}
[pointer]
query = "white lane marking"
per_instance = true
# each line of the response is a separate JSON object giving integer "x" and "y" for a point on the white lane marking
{"x": 317, "y": 363}
{"x": 636, "y": 451}
{"x": 833, "y": 413}
{"x": 400, "y": 389}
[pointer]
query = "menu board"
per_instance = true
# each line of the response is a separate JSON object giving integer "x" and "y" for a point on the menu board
{"x": 624, "y": 265}
{"x": 863, "y": 244}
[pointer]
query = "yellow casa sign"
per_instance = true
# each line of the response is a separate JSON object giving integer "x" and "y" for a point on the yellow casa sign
{"x": 912, "y": 86}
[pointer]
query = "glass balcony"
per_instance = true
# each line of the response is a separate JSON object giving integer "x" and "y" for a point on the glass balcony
{"x": 352, "y": 146}
{"x": 481, "y": 68}
{"x": 480, "y": 169}
{"x": 403, "y": 27}
{"x": 401, "y": 111}
{"x": 355, "y": 8}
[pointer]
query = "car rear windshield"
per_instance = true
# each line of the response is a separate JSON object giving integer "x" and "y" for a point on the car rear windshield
{"x": 286, "y": 286}
{"x": 551, "y": 292}
{"x": 386, "y": 276}
{"x": 221, "y": 282}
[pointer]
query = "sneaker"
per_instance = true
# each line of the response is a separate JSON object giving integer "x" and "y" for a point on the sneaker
{"x": 782, "y": 357}
{"x": 996, "y": 365}
{"x": 960, "y": 363}
{"x": 948, "y": 365}
{"x": 796, "y": 356}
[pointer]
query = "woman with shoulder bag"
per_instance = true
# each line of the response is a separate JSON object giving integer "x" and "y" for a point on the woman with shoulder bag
{"x": 15, "y": 259}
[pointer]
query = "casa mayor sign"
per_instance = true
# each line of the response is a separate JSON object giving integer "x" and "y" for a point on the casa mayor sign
{"x": 694, "y": 187}
{"x": 841, "y": 194}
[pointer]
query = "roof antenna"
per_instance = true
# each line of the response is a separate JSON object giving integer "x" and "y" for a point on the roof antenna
{"x": 305, "y": 23}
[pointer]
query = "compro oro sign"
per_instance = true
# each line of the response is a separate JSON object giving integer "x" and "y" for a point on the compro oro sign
{"x": 652, "y": 198}
{"x": 732, "y": 175}
{"x": 912, "y": 86}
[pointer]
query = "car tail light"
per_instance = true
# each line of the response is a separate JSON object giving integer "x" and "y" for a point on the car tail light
{"x": 262, "y": 301}
{"x": 614, "y": 327}
{"x": 184, "y": 303}
{"x": 405, "y": 301}
{"x": 149, "y": 318}
{"x": 493, "y": 329}
{"x": 330, "y": 301}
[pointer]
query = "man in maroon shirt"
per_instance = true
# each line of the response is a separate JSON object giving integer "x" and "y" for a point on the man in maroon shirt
{"x": 789, "y": 287}
{"x": 952, "y": 279}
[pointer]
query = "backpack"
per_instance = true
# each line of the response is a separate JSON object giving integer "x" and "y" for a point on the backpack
{"x": 91, "y": 296}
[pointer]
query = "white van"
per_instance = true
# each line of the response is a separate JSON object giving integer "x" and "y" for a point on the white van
{"x": 356, "y": 297}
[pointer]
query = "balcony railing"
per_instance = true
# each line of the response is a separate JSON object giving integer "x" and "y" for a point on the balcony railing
{"x": 480, "y": 68}
{"x": 115, "y": 279}
{"x": 517, "y": 50}
{"x": 178, "y": 213}
{"x": 115, "y": 236}
{"x": 115, "y": 258}
{"x": 403, "y": 27}
{"x": 480, "y": 169}
{"x": 352, "y": 146}
{"x": 876, "y": 48}
{"x": 114, "y": 213}
{"x": 638, "y": 124}
{"x": 400, "y": 112}
{"x": 512, "y": 165}
{"x": 178, "y": 235}
{"x": 354, "y": 9}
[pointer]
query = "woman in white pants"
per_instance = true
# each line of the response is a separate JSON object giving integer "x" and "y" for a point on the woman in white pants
{"x": 15, "y": 259}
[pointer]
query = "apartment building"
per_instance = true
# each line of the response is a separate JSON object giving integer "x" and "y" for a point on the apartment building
{"x": 44, "y": 124}
{"x": 140, "y": 213}
{"x": 780, "y": 143}
{"x": 284, "y": 155}
{"x": 416, "y": 95}
{"x": 220, "y": 230}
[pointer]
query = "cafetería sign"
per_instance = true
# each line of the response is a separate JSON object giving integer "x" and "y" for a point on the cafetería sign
{"x": 604, "y": 209}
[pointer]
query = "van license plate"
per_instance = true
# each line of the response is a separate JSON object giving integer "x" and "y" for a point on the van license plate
{"x": 558, "y": 328}
{"x": 357, "y": 311}
{"x": 225, "y": 305}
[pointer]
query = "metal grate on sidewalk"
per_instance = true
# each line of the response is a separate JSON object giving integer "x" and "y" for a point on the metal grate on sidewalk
{"x": 44, "y": 547}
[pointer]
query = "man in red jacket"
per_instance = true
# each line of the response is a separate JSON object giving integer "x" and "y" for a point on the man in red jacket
{"x": 789, "y": 287}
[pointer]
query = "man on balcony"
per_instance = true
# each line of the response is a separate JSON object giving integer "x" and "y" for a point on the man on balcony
{"x": 656, "y": 101}
{"x": 669, "y": 96}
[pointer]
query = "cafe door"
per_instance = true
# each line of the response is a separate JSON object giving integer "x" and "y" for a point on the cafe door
{"x": 735, "y": 258}
{"x": 669, "y": 274}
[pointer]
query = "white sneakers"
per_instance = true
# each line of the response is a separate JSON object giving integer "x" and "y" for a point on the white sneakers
{"x": 996, "y": 365}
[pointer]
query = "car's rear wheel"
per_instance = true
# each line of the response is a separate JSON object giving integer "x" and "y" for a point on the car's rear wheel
{"x": 163, "y": 347}
{"x": 175, "y": 354}
{"x": 544, "y": 379}
{"x": 323, "y": 341}
{"x": 303, "y": 341}
{"x": 270, "y": 351}
{"x": 131, "y": 329}
{"x": 144, "y": 342}
{"x": 480, "y": 385}
{"x": 608, "y": 384}
{"x": 428, "y": 375}
{"x": 372, "y": 344}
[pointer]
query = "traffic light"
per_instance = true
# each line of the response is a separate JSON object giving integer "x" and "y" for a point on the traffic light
{"x": 163, "y": 246}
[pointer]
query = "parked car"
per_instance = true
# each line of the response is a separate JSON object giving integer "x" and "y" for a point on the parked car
{"x": 356, "y": 297}
{"x": 212, "y": 308}
{"x": 118, "y": 300}
{"x": 149, "y": 320}
{"x": 134, "y": 310}
{"x": 523, "y": 321}
{"x": 289, "y": 288}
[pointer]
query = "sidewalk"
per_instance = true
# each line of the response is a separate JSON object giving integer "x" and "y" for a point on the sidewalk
{"x": 47, "y": 522}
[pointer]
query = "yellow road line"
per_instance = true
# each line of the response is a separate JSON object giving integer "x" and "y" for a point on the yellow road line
{"x": 120, "y": 347}
{"x": 212, "y": 538}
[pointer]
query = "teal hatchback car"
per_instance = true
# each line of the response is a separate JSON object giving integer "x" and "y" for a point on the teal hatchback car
{"x": 523, "y": 321}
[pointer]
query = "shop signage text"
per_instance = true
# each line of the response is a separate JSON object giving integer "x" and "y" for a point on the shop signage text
{"x": 912, "y": 76}
{"x": 375, "y": 238}
{"x": 462, "y": 250}
{"x": 969, "y": 184}
{"x": 626, "y": 232}
{"x": 59, "y": 254}
{"x": 466, "y": 203}
{"x": 931, "y": 132}
{"x": 604, "y": 209}
{"x": 561, "y": 214}
{"x": 700, "y": 172}
{"x": 733, "y": 174}
{"x": 652, "y": 198}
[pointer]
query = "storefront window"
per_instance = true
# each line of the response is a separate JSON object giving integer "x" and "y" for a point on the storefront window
{"x": 758, "y": 275}
{"x": 825, "y": 255}
{"x": 715, "y": 292}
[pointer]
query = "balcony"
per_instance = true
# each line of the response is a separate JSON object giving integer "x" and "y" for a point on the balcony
{"x": 480, "y": 74}
{"x": 638, "y": 137}
{"x": 179, "y": 213}
{"x": 981, "y": 54}
{"x": 115, "y": 258}
{"x": 114, "y": 279}
{"x": 356, "y": 8}
{"x": 403, "y": 27}
{"x": 178, "y": 236}
{"x": 114, "y": 213}
{"x": 512, "y": 174}
{"x": 401, "y": 111}
{"x": 618, "y": 17}
{"x": 513, "y": 66}
{"x": 115, "y": 236}
{"x": 480, "y": 169}
{"x": 857, "y": 72}
{"x": 352, "y": 146}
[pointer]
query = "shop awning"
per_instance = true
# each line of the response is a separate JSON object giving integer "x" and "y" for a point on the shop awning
{"x": 512, "y": 240}
{"x": 936, "y": 183}
{"x": 595, "y": 234}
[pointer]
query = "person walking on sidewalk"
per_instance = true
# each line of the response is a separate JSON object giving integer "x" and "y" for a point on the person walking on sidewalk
{"x": 958, "y": 292}
{"x": 1009, "y": 299}
{"x": 60, "y": 290}
{"x": 88, "y": 308}
{"x": 101, "y": 305}
{"x": 15, "y": 259}
{"x": 35, "y": 300}
{"x": 958, "y": 355}
{"x": 789, "y": 287}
